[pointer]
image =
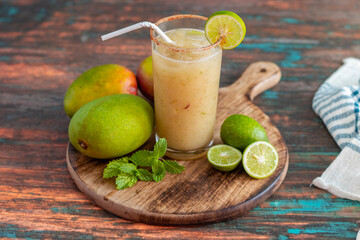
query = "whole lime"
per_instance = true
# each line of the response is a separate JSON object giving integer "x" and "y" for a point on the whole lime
{"x": 240, "y": 131}
{"x": 111, "y": 126}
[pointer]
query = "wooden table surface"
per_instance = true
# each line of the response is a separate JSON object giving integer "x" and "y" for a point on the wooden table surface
{"x": 45, "y": 45}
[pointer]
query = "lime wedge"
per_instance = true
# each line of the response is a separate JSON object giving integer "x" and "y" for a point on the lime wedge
{"x": 227, "y": 25}
{"x": 260, "y": 159}
{"x": 224, "y": 158}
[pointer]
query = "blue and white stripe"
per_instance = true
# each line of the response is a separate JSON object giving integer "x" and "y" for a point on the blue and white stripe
{"x": 337, "y": 103}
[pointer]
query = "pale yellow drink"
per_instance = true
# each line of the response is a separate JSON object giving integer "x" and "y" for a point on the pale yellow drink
{"x": 186, "y": 84}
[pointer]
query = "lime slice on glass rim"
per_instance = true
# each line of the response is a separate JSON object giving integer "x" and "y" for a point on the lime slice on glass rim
{"x": 223, "y": 157}
{"x": 260, "y": 159}
{"x": 227, "y": 25}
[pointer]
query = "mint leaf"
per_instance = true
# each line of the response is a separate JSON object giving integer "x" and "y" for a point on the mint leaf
{"x": 128, "y": 168}
{"x": 142, "y": 158}
{"x": 158, "y": 170}
{"x": 158, "y": 177}
{"x": 113, "y": 167}
{"x": 144, "y": 175}
{"x": 127, "y": 172}
{"x": 173, "y": 167}
{"x": 125, "y": 180}
{"x": 160, "y": 147}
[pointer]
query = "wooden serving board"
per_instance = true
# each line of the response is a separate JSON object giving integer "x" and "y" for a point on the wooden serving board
{"x": 200, "y": 194}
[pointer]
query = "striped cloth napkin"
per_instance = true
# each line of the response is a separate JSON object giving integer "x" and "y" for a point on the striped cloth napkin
{"x": 337, "y": 103}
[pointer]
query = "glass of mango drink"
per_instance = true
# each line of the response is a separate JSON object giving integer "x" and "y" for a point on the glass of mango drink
{"x": 186, "y": 58}
{"x": 186, "y": 83}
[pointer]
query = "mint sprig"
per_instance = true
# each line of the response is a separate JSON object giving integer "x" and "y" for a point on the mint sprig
{"x": 128, "y": 170}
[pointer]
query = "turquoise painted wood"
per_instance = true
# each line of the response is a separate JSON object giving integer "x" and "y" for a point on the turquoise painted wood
{"x": 45, "y": 45}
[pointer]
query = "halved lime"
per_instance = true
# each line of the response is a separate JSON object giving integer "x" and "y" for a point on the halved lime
{"x": 260, "y": 159}
{"x": 227, "y": 25}
{"x": 223, "y": 157}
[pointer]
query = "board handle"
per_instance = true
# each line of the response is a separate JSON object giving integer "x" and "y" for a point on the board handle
{"x": 257, "y": 78}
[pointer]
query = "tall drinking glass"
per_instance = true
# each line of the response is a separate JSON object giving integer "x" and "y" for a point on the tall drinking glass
{"x": 186, "y": 84}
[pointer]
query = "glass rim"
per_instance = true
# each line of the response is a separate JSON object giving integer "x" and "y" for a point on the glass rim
{"x": 178, "y": 49}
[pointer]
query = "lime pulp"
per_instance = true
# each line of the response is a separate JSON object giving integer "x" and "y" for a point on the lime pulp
{"x": 260, "y": 159}
{"x": 223, "y": 157}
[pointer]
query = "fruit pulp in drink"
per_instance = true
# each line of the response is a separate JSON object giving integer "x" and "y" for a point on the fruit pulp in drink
{"x": 186, "y": 84}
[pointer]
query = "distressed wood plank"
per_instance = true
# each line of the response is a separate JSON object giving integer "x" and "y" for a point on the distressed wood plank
{"x": 45, "y": 45}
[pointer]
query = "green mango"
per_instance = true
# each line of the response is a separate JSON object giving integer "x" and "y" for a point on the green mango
{"x": 100, "y": 81}
{"x": 111, "y": 126}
